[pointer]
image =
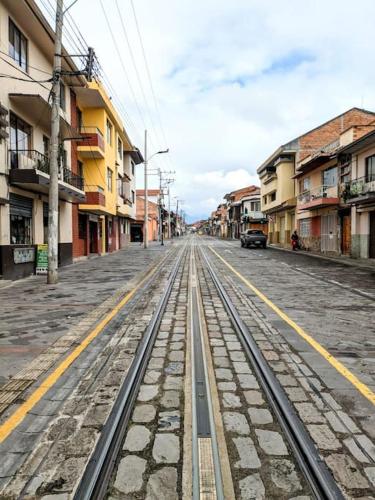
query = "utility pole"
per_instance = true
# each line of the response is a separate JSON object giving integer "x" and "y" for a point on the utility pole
{"x": 145, "y": 224}
{"x": 169, "y": 213}
{"x": 53, "y": 210}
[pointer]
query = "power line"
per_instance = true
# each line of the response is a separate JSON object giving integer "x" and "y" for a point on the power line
{"x": 29, "y": 77}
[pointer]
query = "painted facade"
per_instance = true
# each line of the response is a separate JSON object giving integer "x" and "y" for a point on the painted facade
{"x": 280, "y": 177}
{"x": 24, "y": 145}
{"x": 107, "y": 160}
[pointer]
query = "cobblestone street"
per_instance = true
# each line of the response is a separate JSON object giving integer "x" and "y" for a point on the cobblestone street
{"x": 198, "y": 412}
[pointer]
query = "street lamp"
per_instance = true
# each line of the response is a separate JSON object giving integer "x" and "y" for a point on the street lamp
{"x": 145, "y": 223}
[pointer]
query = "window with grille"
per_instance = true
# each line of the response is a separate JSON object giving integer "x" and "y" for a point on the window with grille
{"x": 305, "y": 227}
{"x": 17, "y": 46}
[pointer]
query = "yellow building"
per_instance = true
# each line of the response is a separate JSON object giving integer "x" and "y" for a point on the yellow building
{"x": 107, "y": 160}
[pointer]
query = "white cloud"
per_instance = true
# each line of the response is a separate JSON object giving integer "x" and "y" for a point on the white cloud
{"x": 236, "y": 79}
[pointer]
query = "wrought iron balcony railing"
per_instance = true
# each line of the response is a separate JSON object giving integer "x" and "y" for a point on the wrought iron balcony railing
{"x": 30, "y": 159}
{"x": 358, "y": 187}
{"x": 317, "y": 193}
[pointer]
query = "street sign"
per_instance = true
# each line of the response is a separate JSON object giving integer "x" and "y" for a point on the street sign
{"x": 42, "y": 259}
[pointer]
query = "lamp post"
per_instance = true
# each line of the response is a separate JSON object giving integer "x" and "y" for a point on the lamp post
{"x": 145, "y": 222}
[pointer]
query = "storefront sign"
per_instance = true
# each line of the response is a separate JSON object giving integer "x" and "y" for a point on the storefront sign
{"x": 23, "y": 255}
{"x": 42, "y": 259}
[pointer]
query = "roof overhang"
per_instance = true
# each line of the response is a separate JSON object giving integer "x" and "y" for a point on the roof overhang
{"x": 36, "y": 108}
{"x": 313, "y": 163}
{"x": 361, "y": 143}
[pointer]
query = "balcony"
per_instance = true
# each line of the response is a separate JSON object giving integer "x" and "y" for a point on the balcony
{"x": 361, "y": 190}
{"x": 29, "y": 169}
{"x": 92, "y": 143}
{"x": 252, "y": 215}
{"x": 95, "y": 200}
{"x": 320, "y": 197}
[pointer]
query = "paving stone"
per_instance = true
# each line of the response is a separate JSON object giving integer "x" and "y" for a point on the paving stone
{"x": 221, "y": 362}
{"x": 284, "y": 476}
{"x": 237, "y": 356}
{"x": 234, "y": 346}
{"x": 169, "y": 420}
{"x": 367, "y": 445}
{"x": 230, "y": 338}
{"x": 254, "y": 398}
{"x": 172, "y": 382}
{"x": 335, "y": 422}
{"x": 355, "y": 450}
{"x": 163, "y": 335}
{"x": 260, "y": 416}
{"x": 129, "y": 477}
{"x": 252, "y": 488}
{"x": 176, "y": 356}
{"x": 248, "y": 382}
{"x": 296, "y": 394}
{"x": 144, "y": 413}
{"x": 236, "y": 422}
{"x": 247, "y": 452}
{"x": 137, "y": 438}
{"x": 162, "y": 485}
{"x": 161, "y": 343}
{"x": 278, "y": 366}
{"x": 147, "y": 392}
{"x": 348, "y": 422}
{"x": 287, "y": 380}
{"x": 332, "y": 403}
{"x": 178, "y": 337}
{"x": 271, "y": 442}
{"x": 151, "y": 377}
{"x": 226, "y": 386}
{"x": 220, "y": 351}
{"x": 155, "y": 363}
{"x": 223, "y": 374}
{"x": 241, "y": 367}
{"x": 271, "y": 355}
{"x": 175, "y": 367}
{"x": 323, "y": 437}
{"x": 159, "y": 352}
{"x": 346, "y": 472}
{"x": 309, "y": 413}
{"x": 166, "y": 448}
{"x": 230, "y": 400}
{"x": 217, "y": 342}
{"x": 370, "y": 473}
{"x": 170, "y": 399}
{"x": 176, "y": 346}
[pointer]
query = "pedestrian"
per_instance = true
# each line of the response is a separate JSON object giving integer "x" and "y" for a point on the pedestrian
{"x": 295, "y": 240}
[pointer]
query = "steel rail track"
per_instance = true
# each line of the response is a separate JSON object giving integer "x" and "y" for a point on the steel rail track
{"x": 314, "y": 469}
{"x": 96, "y": 477}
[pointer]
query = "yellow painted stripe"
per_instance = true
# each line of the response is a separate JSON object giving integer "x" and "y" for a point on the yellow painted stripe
{"x": 16, "y": 418}
{"x": 362, "y": 388}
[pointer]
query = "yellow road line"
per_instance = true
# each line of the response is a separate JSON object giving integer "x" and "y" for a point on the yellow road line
{"x": 16, "y": 418}
{"x": 360, "y": 386}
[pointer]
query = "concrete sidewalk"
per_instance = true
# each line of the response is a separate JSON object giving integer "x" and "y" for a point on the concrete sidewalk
{"x": 33, "y": 315}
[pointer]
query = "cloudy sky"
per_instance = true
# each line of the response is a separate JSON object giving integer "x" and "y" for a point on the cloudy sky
{"x": 233, "y": 79}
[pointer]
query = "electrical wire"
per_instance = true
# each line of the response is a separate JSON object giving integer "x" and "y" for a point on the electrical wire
{"x": 30, "y": 78}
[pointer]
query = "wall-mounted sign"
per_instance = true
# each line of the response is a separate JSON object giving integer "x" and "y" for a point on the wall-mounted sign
{"x": 42, "y": 259}
{"x": 23, "y": 255}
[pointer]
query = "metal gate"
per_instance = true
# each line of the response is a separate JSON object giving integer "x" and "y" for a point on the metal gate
{"x": 328, "y": 233}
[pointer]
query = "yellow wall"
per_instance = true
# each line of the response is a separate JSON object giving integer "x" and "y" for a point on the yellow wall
{"x": 283, "y": 185}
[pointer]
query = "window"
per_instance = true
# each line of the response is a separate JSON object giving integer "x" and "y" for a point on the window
{"x": 79, "y": 119}
{"x": 133, "y": 167}
{"x": 120, "y": 186}
{"x": 370, "y": 168}
{"x": 109, "y": 132}
{"x": 119, "y": 148}
{"x": 330, "y": 177}
{"x": 62, "y": 96}
{"x": 17, "y": 46}
{"x": 20, "y": 230}
{"x": 133, "y": 197}
{"x": 109, "y": 179}
{"x": 20, "y": 134}
{"x": 21, "y": 213}
{"x": 304, "y": 227}
{"x": 265, "y": 199}
{"x": 80, "y": 168}
{"x": 46, "y": 146}
{"x": 273, "y": 196}
{"x": 304, "y": 185}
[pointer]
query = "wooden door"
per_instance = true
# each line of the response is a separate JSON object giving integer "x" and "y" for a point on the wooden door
{"x": 346, "y": 235}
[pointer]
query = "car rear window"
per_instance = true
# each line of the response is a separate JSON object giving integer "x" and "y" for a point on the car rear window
{"x": 255, "y": 231}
